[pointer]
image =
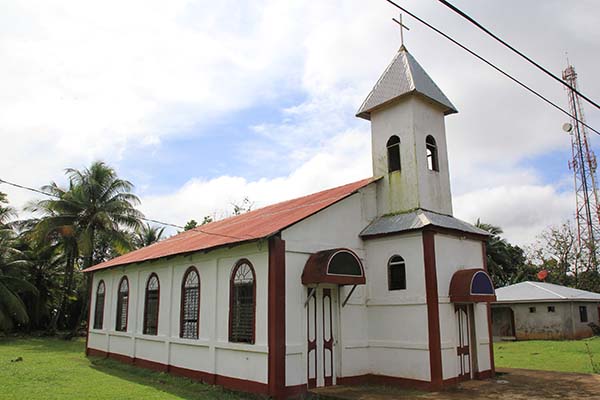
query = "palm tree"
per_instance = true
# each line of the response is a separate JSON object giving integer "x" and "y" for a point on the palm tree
{"x": 97, "y": 206}
{"x": 12, "y": 308}
{"x": 147, "y": 235}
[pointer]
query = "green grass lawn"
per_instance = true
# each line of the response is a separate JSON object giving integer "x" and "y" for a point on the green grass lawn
{"x": 550, "y": 355}
{"x": 58, "y": 369}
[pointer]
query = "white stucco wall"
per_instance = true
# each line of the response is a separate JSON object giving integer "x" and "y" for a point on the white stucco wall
{"x": 453, "y": 254}
{"x": 398, "y": 328}
{"x": 211, "y": 352}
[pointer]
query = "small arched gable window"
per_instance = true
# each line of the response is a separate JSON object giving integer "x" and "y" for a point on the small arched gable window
{"x": 151, "y": 305}
{"x": 190, "y": 304}
{"x": 122, "y": 305}
{"x": 432, "y": 154}
{"x": 396, "y": 273}
{"x": 99, "y": 310}
{"x": 242, "y": 303}
{"x": 393, "y": 153}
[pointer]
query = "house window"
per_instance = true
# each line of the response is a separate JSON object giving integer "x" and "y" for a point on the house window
{"x": 190, "y": 304}
{"x": 242, "y": 303}
{"x": 583, "y": 317}
{"x": 393, "y": 152}
{"x": 99, "y": 311}
{"x": 122, "y": 305}
{"x": 396, "y": 273}
{"x": 432, "y": 154}
{"x": 151, "y": 305}
{"x": 551, "y": 309}
{"x": 531, "y": 309}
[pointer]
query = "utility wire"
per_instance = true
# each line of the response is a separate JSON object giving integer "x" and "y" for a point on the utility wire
{"x": 142, "y": 218}
{"x": 492, "y": 65}
{"x": 537, "y": 65}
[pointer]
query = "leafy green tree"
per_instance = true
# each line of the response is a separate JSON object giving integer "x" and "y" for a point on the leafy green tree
{"x": 12, "y": 285}
{"x": 147, "y": 235}
{"x": 191, "y": 224}
{"x": 506, "y": 263}
{"x": 242, "y": 207}
{"x": 97, "y": 207}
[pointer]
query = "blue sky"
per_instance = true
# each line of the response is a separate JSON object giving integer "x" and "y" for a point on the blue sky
{"x": 201, "y": 104}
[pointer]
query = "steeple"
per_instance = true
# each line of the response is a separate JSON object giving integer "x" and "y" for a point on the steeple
{"x": 403, "y": 76}
{"x": 407, "y": 111}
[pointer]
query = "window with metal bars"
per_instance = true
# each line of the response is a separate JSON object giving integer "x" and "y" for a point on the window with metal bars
{"x": 99, "y": 310}
{"x": 122, "y": 305}
{"x": 242, "y": 303}
{"x": 151, "y": 305}
{"x": 190, "y": 304}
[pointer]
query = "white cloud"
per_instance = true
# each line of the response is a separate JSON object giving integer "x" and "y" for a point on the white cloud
{"x": 327, "y": 168}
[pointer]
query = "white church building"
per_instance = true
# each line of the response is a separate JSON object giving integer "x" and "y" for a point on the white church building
{"x": 371, "y": 282}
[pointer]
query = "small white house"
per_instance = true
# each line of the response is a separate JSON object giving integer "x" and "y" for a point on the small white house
{"x": 540, "y": 310}
{"x": 373, "y": 281}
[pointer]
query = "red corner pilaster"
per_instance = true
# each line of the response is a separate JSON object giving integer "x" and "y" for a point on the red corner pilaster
{"x": 433, "y": 310}
{"x": 276, "y": 324}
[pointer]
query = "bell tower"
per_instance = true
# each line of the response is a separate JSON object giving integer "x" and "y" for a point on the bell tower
{"x": 408, "y": 137}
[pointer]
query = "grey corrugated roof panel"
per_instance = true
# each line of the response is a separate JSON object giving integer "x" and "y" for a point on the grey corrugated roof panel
{"x": 531, "y": 292}
{"x": 404, "y": 75}
{"x": 417, "y": 219}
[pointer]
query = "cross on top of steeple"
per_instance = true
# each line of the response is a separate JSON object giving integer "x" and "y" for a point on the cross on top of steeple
{"x": 402, "y": 27}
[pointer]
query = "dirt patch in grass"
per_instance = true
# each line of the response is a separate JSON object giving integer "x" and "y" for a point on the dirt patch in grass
{"x": 510, "y": 384}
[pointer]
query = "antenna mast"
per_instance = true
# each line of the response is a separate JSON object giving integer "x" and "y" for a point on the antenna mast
{"x": 583, "y": 165}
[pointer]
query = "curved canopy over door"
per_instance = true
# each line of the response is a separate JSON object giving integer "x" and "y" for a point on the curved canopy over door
{"x": 471, "y": 286}
{"x": 337, "y": 266}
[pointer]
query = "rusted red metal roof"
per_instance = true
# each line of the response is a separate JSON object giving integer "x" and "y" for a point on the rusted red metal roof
{"x": 247, "y": 227}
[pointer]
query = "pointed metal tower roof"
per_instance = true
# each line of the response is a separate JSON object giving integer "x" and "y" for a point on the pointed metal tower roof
{"x": 403, "y": 76}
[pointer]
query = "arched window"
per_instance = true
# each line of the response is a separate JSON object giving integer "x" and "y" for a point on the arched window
{"x": 432, "y": 154}
{"x": 396, "y": 273}
{"x": 122, "y": 305}
{"x": 151, "y": 305}
{"x": 99, "y": 310}
{"x": 393, "y": 153}
{"x": 190, "y": 304}
{"x": 242, "y": 303}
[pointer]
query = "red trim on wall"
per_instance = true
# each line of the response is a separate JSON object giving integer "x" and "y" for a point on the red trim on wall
{"x": 489, "y": 315}
{"x": 327, "y": 342}
{"x": 485, "y": 374}
{"x": 276, "y": 318}
{"x": 231, "y": 278}
{"x": 433, "y": 311}
{"x": 242, "y": 385}
{"x": 182, "y": 305}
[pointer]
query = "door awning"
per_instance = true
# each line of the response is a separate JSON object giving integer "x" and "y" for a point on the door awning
{"x": 337, "y": 266}
{"x": 471, "y": 286}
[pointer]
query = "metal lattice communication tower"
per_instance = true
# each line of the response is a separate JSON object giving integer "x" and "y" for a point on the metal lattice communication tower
{"x": 583, "y": 166}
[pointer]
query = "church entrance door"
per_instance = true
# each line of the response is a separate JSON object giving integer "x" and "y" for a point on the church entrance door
{"x": 465, "y": 337}
{"x": 322, "y": 312}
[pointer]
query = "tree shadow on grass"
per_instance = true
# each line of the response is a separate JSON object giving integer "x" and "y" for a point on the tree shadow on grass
{"x": 181, "y": 387}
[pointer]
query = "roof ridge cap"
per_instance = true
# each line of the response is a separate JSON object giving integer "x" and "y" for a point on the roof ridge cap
{"x": 546, "y": 289}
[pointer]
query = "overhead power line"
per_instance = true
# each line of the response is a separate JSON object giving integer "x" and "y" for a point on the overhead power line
{"x": 537, "y": 65}
{"x": 506, "y": 74}
{"x": 142, "y": 218}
